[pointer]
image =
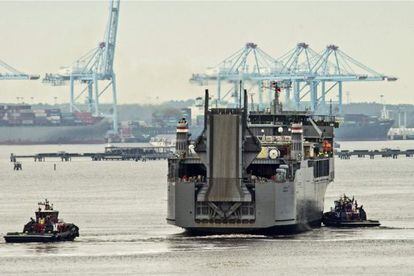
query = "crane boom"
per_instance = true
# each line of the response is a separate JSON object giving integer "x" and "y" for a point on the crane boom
{"x": 110, "y": 38}
{"x": 12, "y": 73}
{"x": 302, "y": 69}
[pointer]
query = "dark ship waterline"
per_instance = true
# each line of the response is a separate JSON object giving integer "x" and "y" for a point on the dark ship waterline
{"x": 251, "y": 173}
{"x": 47, "y": 227}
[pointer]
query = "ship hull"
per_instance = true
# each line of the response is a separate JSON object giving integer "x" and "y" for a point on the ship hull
{"x": 19, "y": 135}
{"x": 363, "y": 132}
{"x": 26, "y": 238}
{"x": 272, "y": 230}
{"x": 68, "y": 235}
{"x": 288, "y": 207}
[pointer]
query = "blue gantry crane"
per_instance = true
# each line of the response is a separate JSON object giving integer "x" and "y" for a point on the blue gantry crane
{"x": 7, "y": 72}
{"x": 92, "y": 69}
{"x": 248, "y": 65}
{"x": 320, "y": 73}
{"x": 296, "y": 68}
{"x": 303, "y": 70}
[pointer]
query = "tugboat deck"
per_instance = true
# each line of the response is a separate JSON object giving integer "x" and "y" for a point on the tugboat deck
{"x": 23, "y": 238}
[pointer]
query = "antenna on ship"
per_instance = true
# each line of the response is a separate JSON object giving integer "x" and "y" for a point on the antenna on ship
{"x": 240, "y": 98}
{"x": 277, "y": 106}
{"x": 205, "y": 108}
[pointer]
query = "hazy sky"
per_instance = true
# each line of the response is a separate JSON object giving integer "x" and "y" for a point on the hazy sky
{"x": 160, "y": 44}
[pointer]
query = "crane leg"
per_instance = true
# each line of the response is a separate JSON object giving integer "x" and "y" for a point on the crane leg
{"x": 340, "y": 97}
{"x": 90, "y": 97}
{"x": 95, "y": 83}
{"x": 114, "y": 105}
{"x": 72, "y": 94}
{"x": 259, "y": 84}
{"x": 296, "y": 94}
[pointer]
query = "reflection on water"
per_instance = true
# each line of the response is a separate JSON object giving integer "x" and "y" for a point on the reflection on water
{"x": 46, "y": 248}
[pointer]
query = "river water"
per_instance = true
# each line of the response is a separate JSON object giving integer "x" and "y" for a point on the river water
{"x": 120, "y": 207}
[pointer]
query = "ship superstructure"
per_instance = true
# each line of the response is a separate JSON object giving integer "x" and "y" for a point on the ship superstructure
{"x": 258, "y": 172}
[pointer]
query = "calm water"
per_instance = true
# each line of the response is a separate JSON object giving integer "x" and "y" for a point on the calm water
{"x": 120, "y": 208}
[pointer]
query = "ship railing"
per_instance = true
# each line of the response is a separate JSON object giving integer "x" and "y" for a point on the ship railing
{"x": 326, "y": 118}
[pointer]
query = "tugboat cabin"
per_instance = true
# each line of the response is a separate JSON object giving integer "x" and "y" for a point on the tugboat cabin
{"x": 47, "y": 213}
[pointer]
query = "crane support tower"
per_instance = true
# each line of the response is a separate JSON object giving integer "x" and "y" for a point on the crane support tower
{"x": 324, "y": 72}
{"x": 91, "y": 70}
{"x": 7, "y": 72}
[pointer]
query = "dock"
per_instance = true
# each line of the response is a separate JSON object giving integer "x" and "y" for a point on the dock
{"x": 145, "y": 153}
{"x": 110, "y": 153}
{"x": 386, "y": 153}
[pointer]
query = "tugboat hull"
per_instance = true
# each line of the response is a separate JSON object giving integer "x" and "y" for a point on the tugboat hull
{"x": 351, "y": 224}
{"x": 332, "y": 222}
{"x": 19, "y": 237}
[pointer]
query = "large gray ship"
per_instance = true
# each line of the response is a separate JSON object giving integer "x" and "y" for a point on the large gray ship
{"x": 360, "y": 127}
{"x": 259, "y": 172}
{"x": 20, "y": 124}
{"x": 63, "y": 134}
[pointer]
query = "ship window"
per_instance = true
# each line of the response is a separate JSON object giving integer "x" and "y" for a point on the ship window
{"x": 297, "y": 146}
{"x": 321, "y": 168}
{"x": 251, "y": 211}
{"x": 204, "y": 210}
{"x": 263, "y": 170}
{"x": 192, "y": 170}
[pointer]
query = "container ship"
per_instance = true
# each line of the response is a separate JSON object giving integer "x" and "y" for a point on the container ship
{"x": 258, "y": 172}
{"x": 359, "y": 127}
{"x": 20, "y": 124}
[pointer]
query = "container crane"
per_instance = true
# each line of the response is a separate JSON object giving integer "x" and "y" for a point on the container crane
{"x": 301, "y": 68}
{"x": 91, "y": 69}
{"x": 249, "y": 64}
{"x": 327, "y": 69}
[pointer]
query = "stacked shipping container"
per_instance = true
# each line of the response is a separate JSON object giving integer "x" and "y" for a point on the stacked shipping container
{"x": 23, "y": 115}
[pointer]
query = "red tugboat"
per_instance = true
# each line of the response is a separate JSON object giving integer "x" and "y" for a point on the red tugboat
{"x": 347, "y": 213}
{"x": 46, "y": 228}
